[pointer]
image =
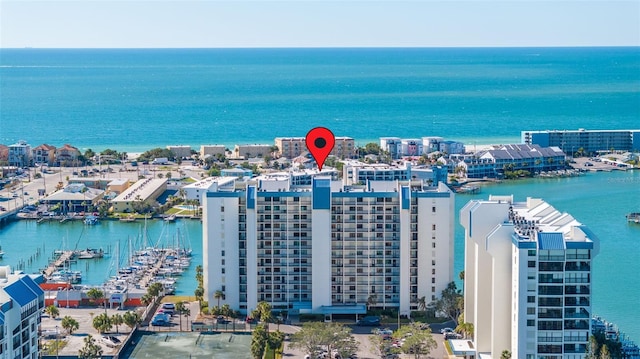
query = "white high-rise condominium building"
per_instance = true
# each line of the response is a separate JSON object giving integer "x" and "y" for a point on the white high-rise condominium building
{"x": 527, "y": 281}
{"x": 327, "y": 248}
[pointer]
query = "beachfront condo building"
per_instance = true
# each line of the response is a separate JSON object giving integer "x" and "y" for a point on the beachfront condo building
{"x": 325, "y": 247}
{"x": 585, "y": 142}
{"x": 180, "y": 151}
{"x": 291, "y": 147}
{"x": 19, "y": 154}
{"x": 212, "y": 150}
{"x": 21, "y": 301}
{"x": 527, "y": 284}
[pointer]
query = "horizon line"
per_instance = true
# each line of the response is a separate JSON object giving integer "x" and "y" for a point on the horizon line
{"x": 322, "y": 47}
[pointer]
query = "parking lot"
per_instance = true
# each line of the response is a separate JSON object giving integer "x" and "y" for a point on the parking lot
{"x": 362, "y": 335}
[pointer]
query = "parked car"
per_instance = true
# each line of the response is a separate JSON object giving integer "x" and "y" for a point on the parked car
{"x": 110, "y": 341}
{"x": 446, "y": 330}
{"x": 452, "y": 336}
{"x": 369, "y": 321}
{"x": 168, "y": 308}
{"x": 161, "y": 320}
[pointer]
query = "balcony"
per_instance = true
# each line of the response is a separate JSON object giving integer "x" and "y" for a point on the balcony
{"x": 576, "y": 302}
{"x": 576, "y": 324}
{"x": 574, "y": 289}
{"x": 577, "y": 267}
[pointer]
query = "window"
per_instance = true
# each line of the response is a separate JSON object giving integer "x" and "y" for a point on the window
{"x": 531, "y": 264}
{"x": 433, "y": 227}
{"x": 532, "y": 252}
{"x": 531, "y": 323}
{"x": 531, "y": 310}
{"x": 221, "y": 208}
{"x": 433, "y": 244}
{"x": 433, "y": 209}
{"x": 531, "y": 299}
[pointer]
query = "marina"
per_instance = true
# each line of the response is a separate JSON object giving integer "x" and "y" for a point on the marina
{"x": 56, "y": 250}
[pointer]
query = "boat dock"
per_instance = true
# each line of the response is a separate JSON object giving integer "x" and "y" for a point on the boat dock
{"x": 61, "y": 261}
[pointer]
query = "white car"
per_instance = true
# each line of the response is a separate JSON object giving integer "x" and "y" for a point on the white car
{"x": 446, "y": 330}
{"x": 110, "y": 341}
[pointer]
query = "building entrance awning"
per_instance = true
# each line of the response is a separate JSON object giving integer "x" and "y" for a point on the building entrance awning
{"x": 344, "y": 309}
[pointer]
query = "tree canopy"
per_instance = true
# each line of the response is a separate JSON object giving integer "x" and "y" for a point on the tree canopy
{"x": 156, "y": 153}
{"x": 333, "y": 337}
{"x": 69, "y": 324}
{"x": 417, "y": 341}
{"x": 450, "y": 303}
{"x": 90, "y": 350}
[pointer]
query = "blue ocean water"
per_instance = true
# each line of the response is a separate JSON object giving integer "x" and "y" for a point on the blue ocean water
{"x": 134, "y": 100}
{"x": 138, "y": 99}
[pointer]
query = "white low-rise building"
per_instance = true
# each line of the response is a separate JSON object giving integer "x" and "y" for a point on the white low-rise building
{"x": 212, "y": 150}
{"x": 198, "y": 189}
{"x": 144, "y": 191}
{"x": 181, "y": 151}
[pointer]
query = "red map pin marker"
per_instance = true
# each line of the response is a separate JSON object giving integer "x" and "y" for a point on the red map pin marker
{"x": 320, "y": 142}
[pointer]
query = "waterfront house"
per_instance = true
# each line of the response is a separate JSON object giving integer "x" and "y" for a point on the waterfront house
{"x": 67, "y": 155}
{"x": 19, "y": 154}
{"x": 44, "y": 154}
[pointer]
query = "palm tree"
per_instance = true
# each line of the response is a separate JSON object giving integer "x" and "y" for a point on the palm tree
{"x": 505, "y": 354}
{"x": 131, "y": 319}
{"x": 90, "y": 350}
{"x": 102, "y": 323}
{"x": 200, "y": 275}
{"x": 465, "y": 328}
{"x": 117, "y": 320}
{"x": 182, "y": 309}
{"x": 53, "y": 311}
{"x": 95, "y": 294}
{"x": 372, "y": 300}
{"x": 422, "y": 303}
{"x": 218, "y": 295}
{"x": 69, "y": 324}
{"x": 146, "y": 299}
{"x": 199, "y": 293}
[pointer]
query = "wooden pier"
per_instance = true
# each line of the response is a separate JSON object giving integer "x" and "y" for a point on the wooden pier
{"x": 63, "y": 259}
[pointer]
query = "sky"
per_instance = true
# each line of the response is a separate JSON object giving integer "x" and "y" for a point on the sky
{"x": 306, "y": 23}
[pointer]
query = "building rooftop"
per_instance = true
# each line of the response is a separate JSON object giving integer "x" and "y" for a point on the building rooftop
{"x": 75, "y": 192}
{"x": 536, "y": 220}
{"x": 143, "y": 188}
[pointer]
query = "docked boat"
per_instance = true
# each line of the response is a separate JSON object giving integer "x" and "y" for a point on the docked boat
{"x": 170, "y": 218}
{"x": 90, "y": 253}
{"x": 633, "y": 217}
{"x": 470, "y": 189}
{"x": 90, "y": 220}
{"x": 130, "y": 218}
{"x": 66, "y": 276}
